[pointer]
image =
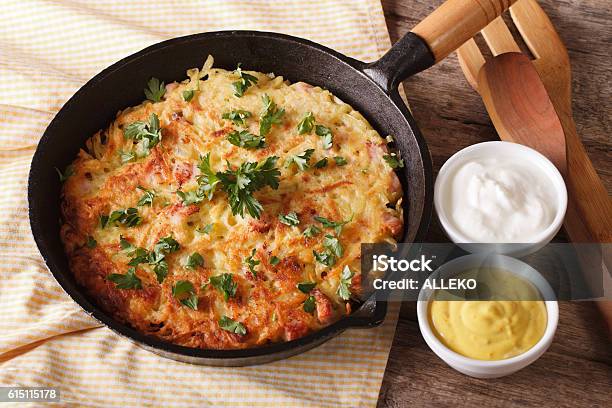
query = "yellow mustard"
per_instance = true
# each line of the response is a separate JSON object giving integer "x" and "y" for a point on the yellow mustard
{"x": 493, "y": 329}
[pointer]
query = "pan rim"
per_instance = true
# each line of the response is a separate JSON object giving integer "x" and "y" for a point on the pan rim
{"x": 149, "y": 342}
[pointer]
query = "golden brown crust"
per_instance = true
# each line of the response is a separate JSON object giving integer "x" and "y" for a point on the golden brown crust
{"x": 267, "y": 303}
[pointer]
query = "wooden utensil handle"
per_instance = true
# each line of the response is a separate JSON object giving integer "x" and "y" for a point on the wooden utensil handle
{"x": 589, "y": 215}
{"x": 456, "y": 21}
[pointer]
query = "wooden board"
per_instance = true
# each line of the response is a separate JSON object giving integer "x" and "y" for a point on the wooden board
{"x": 577, "y": 370}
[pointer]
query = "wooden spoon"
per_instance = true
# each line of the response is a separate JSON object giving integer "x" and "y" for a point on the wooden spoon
{"x": 513, "y": 93}
{"x": 520, "y": 108}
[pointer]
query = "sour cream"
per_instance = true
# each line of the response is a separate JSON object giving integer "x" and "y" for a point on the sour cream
{"x": 499, "y": 199}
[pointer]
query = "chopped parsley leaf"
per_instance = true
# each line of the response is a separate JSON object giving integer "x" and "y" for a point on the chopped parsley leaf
{"x": 340, "y": 161}
{"x": 246, "y": 139}
{"x": 239, "y": 117}
{"x": 325, "y": 257}
{"x": 166, "y": 245}
{"x": 306, "y": 124}
{"x": 194, "y": 260}
{"x": 290, "y": 219}
{"x": 224, "y": 284}
{"x": 326, "y": 136}
{"x": 346, "y": 279}
{"x": 155, "y": 90}
{"x": 321, "y": 163}
{"x": 251, "y": 262}
{"x": 127, "y": 281}
{"x": 182, "y": 288}
{"x": 301, "y": 161}
{"x": 125, "y": 244}
{"x": 336, "y": 225}
{"x": 208, "y": 180}
{"x": 311, "y": 231}
{"x": 333, "y": 245}
{"x": 306, "y": 287}
{"x": 310, "y": 304}
{"x": 244, "y": 82}
{"x": 269, "y": 116}
{"x": 155, "y": 258}
{"x": 128, "y": 217}
{"x": 232, "y": 326}
{"x": 147, "y": 198}
{"x": 191, "y": 301}
{"x": 147, "y": 135}
{"x": 190, "y": 197}
{"x": 394, "y": 161}
{"x": 188, "y": 95}
{"x": 274, "y": 261}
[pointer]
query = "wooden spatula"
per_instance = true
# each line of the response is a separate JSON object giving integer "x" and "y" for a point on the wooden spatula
{"x": 530, "y": 103}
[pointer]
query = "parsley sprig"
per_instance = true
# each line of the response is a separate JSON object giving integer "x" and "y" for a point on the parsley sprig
{"x": 240, "y": 184}
{"x": 208, "y": 180}
{"x": 244, "y": 82}
{"x": 146, "y": 134}
{"x": 270, "y": 115}
{"x": 155, "y": 258}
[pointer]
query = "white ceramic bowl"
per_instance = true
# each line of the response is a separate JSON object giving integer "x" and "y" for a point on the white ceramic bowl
{"x": 481, "y": 368}
{"x": 507, "y": 149}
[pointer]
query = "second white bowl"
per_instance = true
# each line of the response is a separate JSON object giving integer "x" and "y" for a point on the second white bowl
{"x": 481, "y": 368}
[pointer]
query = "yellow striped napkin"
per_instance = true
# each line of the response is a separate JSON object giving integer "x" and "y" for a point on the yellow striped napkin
{"x": 48, "y": 49}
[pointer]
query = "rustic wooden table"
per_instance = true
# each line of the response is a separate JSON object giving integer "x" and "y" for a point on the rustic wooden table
{"x": 577, "y": 369}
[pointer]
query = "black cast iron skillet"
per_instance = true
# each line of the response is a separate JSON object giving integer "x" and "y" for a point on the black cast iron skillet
{"x": 369, "y": 88}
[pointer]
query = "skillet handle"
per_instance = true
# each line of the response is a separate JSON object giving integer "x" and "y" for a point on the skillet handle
{"x": 439, "y": 34}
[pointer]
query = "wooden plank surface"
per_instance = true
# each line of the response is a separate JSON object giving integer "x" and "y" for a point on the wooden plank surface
{"x": 577, "y": 369}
